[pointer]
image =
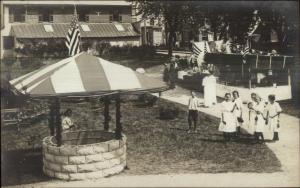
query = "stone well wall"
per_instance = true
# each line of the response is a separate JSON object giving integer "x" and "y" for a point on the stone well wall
{"x": 89, "y": 161}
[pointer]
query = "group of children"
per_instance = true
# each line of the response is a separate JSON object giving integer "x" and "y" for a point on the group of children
{"x": 262, "y": 115}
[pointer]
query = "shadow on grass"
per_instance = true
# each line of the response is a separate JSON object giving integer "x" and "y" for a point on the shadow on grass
{"x": 22, "y": 167}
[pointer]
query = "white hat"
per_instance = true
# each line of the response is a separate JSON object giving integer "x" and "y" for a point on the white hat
{"x": 255, "y": 12}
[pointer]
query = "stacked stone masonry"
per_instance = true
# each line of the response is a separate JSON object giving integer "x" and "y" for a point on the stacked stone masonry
{"x": 79, "y": 162}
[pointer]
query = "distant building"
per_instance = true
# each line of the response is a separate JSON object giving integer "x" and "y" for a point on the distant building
{"x": 30, "y": 20}
{"x": 152, "y": 32}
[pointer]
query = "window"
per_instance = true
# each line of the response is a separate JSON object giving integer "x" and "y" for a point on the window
{"x": 19, "y": 17}
{"x": 8, "y": 43}
{"x": 115, "y": 17}
{"x": 83, "y": 17}
{"x": 46, "y": 16}
{"x": 18, "y": 14}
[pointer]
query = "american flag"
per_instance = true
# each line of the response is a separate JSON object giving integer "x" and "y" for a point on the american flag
{"x": 205, "y": 48}
{"x": 253, "y": 26}
{"x": 246, "y": 51}
{"x": 73, "y": 36}
{"x": 196, "y": 51}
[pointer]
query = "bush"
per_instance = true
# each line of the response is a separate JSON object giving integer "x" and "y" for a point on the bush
{"x": 168, "y": 111}
{"x": 147, "y": 99}
{"x": 183, "y": 63}
{"x": 105, "y": 50}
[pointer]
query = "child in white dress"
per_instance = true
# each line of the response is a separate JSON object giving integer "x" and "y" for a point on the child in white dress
{"x": 273, "y": 112}
{"x": 238, "y": 110}
{"x": 228, "y": 121}
{"x": 252, "y": 113}
{"x": 259, "y": 119}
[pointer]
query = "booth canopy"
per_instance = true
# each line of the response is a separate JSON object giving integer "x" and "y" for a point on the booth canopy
{"x": 252, "y": 60}
{"x": 83, "y": 75}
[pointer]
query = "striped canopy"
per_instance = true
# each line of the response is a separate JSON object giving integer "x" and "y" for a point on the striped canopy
{"x": 83, "y": 75}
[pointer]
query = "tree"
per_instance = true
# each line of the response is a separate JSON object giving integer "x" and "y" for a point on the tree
{"x": 175, "y": 15}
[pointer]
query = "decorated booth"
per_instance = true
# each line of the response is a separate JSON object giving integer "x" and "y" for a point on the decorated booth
{"x": 261, "y": 74}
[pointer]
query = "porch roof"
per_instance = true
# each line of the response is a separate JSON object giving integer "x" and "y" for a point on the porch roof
{"x": 96, "y": 30}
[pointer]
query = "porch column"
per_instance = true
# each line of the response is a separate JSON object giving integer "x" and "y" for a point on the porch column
{"x": 106, "y": 113}
{"x": 118, "y": 117}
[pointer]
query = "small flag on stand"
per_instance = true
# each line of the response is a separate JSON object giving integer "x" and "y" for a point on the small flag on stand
{"x": 205, "y": 48}
{"x": 73, "y": 36}
{"x": 196, "y": 51}
{"x": 246, "y": 51}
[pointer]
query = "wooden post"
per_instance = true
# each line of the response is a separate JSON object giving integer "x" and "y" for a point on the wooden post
{"x": 289, "y": 77}
{"x": 51, "y": 119}
{"x": 58, "y": 122}
{"x": 106, "y": 113}
{"x": 250, "y": 83}
{"x": 118, "y": 117}
{"x": 243, "y": 73}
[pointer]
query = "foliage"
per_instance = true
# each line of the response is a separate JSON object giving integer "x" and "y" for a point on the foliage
{"x": 42, "y": 48}
{"x": 168, "y": 111}
{"x": 176, "y": 15}
{"x": 51, "y": 48}
{"x": 147, "y": 99}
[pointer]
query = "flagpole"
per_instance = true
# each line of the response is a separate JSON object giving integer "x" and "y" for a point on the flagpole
{"x": 75, "y": 13}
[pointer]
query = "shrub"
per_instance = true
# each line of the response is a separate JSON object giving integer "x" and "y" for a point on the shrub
{"x": 168, "y": 111}
{"x": 147, "y": 99}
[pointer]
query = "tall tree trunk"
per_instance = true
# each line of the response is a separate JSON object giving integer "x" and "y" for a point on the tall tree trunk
{"x": 170, "y": 42}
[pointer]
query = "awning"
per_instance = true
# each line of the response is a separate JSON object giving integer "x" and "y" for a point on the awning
{"x": 85, "y": 75}
{"x": 59, "y": 30}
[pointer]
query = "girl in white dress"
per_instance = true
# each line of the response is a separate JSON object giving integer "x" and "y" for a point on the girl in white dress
{"x": 273, "y": 112}
{"x": 252, "y": 113}
{"x": 209, "y": 83}
{"x": 259, "y": 119}
{"x": 228, "y": 121}
{"x": 238, "y": 110}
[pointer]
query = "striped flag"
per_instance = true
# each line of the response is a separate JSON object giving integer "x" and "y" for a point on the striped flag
{"x": 73, "y": 36}
{"x": 246, "y": 51}
{"x": 196, "y": 51}
{"x": 205, "y": 48}
{"x": 253, "y": 26}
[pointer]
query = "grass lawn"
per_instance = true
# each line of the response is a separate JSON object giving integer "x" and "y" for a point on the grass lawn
{"x": 154, "y": 146}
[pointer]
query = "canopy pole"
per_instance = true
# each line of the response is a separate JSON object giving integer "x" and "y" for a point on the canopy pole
{"x": 106, "y": 113}
{"x": 289, "y": 77}
{"x": 118, "y": 117}
{"x": 58, "y": 122}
